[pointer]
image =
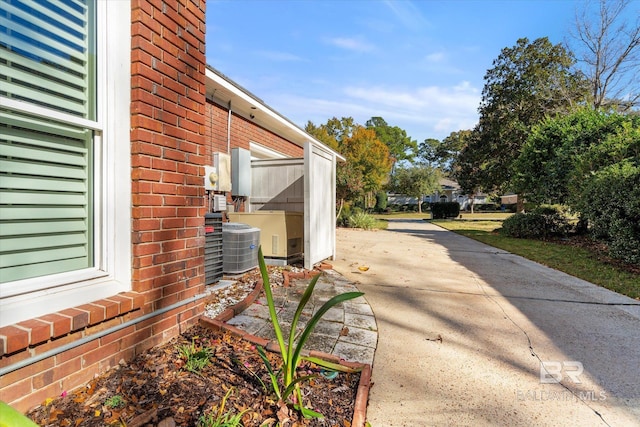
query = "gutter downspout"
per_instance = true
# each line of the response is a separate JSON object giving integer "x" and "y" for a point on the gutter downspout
{"x": 54, "y": 352}
{"x": 229, "y": 130}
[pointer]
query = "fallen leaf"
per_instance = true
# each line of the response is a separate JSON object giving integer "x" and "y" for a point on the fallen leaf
{"x": 363, "y": 268}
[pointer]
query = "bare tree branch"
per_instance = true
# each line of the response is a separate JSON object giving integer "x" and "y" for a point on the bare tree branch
{"x": 609, "y": 52}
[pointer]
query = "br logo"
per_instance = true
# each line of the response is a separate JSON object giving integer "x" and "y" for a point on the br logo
{"x": 553, "y": 372}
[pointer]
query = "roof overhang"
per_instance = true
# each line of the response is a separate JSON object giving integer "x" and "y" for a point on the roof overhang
{"x": 225, "y": 92}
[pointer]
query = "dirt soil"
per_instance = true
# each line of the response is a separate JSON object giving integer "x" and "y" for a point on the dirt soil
{"x": 157, "y": 389}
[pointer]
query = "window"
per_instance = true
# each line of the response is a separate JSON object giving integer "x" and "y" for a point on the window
{"x": 60, "y": 187}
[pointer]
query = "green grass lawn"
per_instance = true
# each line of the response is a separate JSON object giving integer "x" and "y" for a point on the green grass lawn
{"x": 576, "y": 261}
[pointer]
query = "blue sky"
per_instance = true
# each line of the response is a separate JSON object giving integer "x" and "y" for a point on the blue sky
{"x": 418, "y": 64}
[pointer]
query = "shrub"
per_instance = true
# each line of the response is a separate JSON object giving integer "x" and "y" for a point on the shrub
{"x": 487, "y": 207}
{"x": 345, "y": 213}
{"x": 441, "y": 210}
{"x": 381, "y": 201}
{"x": 541, "y": 223}
{"x": 361, "y": 220}
{"x": 610, "y": 202}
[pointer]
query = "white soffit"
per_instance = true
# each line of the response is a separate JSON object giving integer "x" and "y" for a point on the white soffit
{"x": 222, "y": 90}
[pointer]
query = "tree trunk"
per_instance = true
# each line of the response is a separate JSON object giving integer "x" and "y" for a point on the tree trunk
{"x": 473, "y": 198}
{"x": 340, "y": 210}
{"x": 520, "y": 204}
{"x": 420, "y": 204}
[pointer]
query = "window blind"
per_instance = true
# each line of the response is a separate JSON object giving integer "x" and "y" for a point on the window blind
{"x": 47, "y": 54}
{"x": 47, "y": 58}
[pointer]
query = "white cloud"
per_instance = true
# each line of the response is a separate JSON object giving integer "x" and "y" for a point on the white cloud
{"x": 436, "y": 57}
{"x": 355, "y": 44}
{"x": 408, "y": 14}
{"x": 424, "y": 112}
{"x": 279, "y": 56}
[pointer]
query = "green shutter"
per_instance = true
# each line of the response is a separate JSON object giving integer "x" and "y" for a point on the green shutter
{"x": 45, "y": 197}
{"x": 47, "y": 58}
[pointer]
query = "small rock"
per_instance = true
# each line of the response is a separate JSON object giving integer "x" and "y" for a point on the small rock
{"x": 167, "y": 422}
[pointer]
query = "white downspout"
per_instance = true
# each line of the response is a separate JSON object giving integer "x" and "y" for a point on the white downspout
{"x": 229, "y": 130}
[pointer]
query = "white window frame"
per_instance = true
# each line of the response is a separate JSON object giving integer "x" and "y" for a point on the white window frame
{"x": 29, "y": 298}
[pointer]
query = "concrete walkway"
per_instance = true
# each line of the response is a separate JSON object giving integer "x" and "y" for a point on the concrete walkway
{"x": 464, "y": 330}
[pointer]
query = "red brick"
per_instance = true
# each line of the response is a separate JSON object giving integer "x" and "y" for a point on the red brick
{"x": 147, "y": 200}
{"x": 96, "y": 313}
{"x": 38, "y": 331}
{"x": 162, "y": 188}
{"x": 116, "y": 336}
{"x": 94, "y": 356}
{"x": 146, "y": 224}
{"x": 15, "y": 339}
{"x": 132, "y": 339}
{"x": 126, "y": 304}
{"x": 45, "y": 378}
{"x": 79, "y": 378}
{"x": 173, "y": 223}
{"x": 145, "y": 122}
{"x": 24, "y": 373}
{"x": 16, "y": 390}
{"x": 79, "y": 318}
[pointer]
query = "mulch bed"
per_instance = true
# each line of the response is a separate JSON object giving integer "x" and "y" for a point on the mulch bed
{"x": 156, "y": 389}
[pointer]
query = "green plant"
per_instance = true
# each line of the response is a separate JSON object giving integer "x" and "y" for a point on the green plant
{"x": 381, "y": 201}
{"x": 196, "y": 358}
{"x": 542, "y": 222}
{"x": 10, "y": 417}
{"x": 219, "y": 418}
{"x": 442, "y": 210}
{"x": 291, "y": 352}
{"x": 362, "y": 220}
{"x": 114, "y": 401}
{"x": 610, "y": 201}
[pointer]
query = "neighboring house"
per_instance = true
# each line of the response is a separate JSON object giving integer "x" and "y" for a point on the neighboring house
{"x": 449, "y": 192}
{"x": 102, "y": 199}
{"x": 509, "y": 199}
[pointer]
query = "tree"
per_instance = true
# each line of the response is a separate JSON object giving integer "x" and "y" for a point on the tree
{"x": 367, "y": 163}
{"x": 428, "y": 152}
{"x": 467, "y": 167}
{"x": 416, "y": 181}
{"x": 369, "y": 155}
{"x": 321, "y": 133}
{"x": 401, "y": 147}
{"x": 451, "y": 147}
{"x": 562, "y": 152}
{"x": 608, "y": 51}
{"x": 527, "y": 82}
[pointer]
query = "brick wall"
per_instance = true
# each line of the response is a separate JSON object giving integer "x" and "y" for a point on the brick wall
{"x": 168, "y": 151}
{"x": 243, "y": 131}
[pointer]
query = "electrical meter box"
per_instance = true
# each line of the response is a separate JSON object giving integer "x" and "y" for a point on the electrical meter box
{"x": 240, "y": 172}
{"x": 222, "y": 165}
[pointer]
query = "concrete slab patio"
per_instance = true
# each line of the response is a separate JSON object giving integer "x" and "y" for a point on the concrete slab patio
{"x": 347, "y": 331}
{"x": 465, "y": 331}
